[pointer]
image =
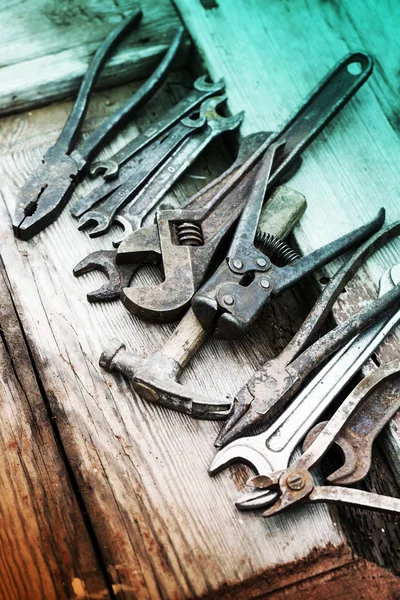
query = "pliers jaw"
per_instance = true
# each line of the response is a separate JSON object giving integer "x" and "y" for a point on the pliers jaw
{"x": 46, "y": 192}
{"x": 233, "y": 297}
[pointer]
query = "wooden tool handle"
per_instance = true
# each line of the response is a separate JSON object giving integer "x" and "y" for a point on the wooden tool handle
{"x": 278, "y": 217}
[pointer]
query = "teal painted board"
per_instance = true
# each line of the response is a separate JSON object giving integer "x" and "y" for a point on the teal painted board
{"x": 47, "y": 46}
{"x": 272, "y": 54}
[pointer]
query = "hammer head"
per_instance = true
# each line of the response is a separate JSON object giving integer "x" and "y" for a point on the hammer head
{"x": 155, "y": 378}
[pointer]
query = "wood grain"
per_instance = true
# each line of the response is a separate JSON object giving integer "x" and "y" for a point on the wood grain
{"x": 48, "y": 45}
{"x": 165, "y": 529}
{"x": 45, "y": 548}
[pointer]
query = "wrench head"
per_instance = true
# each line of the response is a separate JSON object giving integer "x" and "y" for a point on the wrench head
{"x": 118, "y": 275}
{"x": 203, "y": 84}
{"x": 252, "y": 452}
{"x": 100, "y": 221}
{"x": 108, "y": 168}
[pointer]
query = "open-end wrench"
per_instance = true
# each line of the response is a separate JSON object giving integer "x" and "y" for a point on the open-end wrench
{"x": 120, "y": 275}
{"x": 202, "y": 89}
{"x": 189, "y": 238}
{"x": 271, "y": 450}
{"x": 133, "y": 215}
{"x": 356, "y": 438}
{"x": 156, "y": 378}
{"x": 103, "y": 216}
{"x": 296, "y": 483}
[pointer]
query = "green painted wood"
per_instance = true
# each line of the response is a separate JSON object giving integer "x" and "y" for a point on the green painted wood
{"x": 47, "y": 46}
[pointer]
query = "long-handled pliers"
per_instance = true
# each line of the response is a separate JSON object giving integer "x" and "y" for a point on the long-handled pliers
{"x": 48, "y": 189}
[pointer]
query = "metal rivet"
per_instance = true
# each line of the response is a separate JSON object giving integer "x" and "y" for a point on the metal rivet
{"x": 295, "y": 481}
{"x": 261, "y": 262}
{"x": 237, "y": 263}
{"x": 228, "y": 299}
{"x": 264, "y": 283}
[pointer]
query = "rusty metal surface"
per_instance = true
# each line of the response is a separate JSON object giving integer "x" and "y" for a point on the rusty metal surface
{"x": 202, "y": 89}
{"x": 272, "y": 450}
{"x": 185, "y": 266}
{"x": 105, "y": 260}
{"x": 296, "y": 483}
{"x": 275, "y": 383}
{"x": 357, "y": 437}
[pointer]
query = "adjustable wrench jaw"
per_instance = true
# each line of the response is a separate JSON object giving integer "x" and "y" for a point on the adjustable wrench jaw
{"x": 46, "y": 192}
{"x": 184, "y": 268}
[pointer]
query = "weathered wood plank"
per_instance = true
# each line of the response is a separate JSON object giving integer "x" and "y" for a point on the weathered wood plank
{"x": 47, "y": 47}
{"x": 45, "y": 550}
{"x": 165, "y": 529}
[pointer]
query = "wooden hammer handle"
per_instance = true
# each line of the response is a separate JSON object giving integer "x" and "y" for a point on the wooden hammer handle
{"x": 278, "y": 217}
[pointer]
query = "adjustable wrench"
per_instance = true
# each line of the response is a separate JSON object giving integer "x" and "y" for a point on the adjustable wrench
{"x": 271, "y": 450}
{"x": 119, "y": 276}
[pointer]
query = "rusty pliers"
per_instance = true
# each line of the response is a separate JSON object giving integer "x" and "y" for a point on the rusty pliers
{"x": 273, "y": 449}
{"x": 187, "y": 239}
{"x": 296, "y": 484}
{"x": 278, "y": 380}
{"x": 48, "y": 189}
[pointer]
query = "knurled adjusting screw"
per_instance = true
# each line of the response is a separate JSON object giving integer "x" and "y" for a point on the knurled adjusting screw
{"x": 295, "y": 481}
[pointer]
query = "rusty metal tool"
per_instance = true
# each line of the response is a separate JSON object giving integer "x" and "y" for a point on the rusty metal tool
{"x": 48, "y": 189}
{"x": 156, "y": 378}
{"x": 156, "y": 164}
{"x": 296, "y": 484}
{"x": 356, "y": 438}
{"x": 120, "y": 275}
{"x": 276, "y": 382}
{"x": 124, "y": 163}
{"x": 272, "y": 449}
{"x": 188, "y": 238}
{"x": 202, "y": 89}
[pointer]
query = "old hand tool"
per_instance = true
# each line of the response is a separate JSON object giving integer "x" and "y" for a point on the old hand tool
{"x": 46, "y": 192}
{"x": 272, "y": 449}
{"x": 295, "y": 484}
{"x": 133, "y": 154}
{"x": 188, "y": 238}
{"x": 276, "y": 382}
{"x": 154, "y": 164}
{"x": 202, "y": 89}
{"x": 156, "y": 378}
{"x": 234, "y": 296}
{"x": 356, "y": 438}
{"x": 120, "y": 275}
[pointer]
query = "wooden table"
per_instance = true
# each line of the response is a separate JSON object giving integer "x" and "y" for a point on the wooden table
{"x": 102, "y": 494}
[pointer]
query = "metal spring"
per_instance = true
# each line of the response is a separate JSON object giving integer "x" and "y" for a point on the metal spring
{"x": 189, "y": 234}
{"x": 274, "y": 247}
